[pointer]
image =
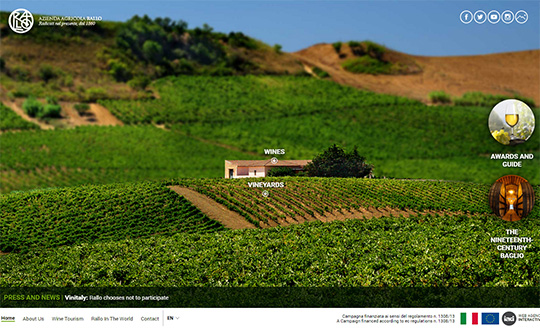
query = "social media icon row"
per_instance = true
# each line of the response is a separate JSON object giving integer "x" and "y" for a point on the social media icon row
{"x": 494, "y": 17}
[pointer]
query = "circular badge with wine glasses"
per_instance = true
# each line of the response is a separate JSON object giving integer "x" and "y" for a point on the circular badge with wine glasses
{"x": 511, "y": 122}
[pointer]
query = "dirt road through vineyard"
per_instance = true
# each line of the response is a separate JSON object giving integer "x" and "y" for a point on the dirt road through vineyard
{"x": 213, "y": 209}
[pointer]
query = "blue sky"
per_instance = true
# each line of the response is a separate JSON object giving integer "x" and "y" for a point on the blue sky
{"x": 415, "y": 27}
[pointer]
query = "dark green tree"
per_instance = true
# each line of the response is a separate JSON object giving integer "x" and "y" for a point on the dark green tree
{"x": 336, "y": 162}
{"x": 281, "y": 171}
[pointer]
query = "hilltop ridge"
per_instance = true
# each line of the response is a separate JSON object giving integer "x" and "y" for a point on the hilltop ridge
{"x": 504, "y": 73}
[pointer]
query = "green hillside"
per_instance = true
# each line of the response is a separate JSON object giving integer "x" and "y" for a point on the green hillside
{"x": 428, "y": 251}
{"x": 9, "y": 120}
{"x": 402, "y": 141}
{"x": 45, "y": 219}
{"x": 118, "y": 60}
{"x": 222, "y": 99}
{"x": 106, "y": 229}
{"x": 90, "y": 205}
{"x": 304, "y": 197}
{"x": 91, "y": 154}
{"x": 213, "y": 119}
{"x": 92, "y": 213}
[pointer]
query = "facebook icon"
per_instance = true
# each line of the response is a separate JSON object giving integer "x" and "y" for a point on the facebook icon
{"x": 465, "y": 17}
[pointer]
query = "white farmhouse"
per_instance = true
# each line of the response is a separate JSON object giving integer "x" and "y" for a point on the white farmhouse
{"x": 259, "y": 168}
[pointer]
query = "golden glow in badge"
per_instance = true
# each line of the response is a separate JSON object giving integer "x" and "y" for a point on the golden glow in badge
{"x": 511, "y": 198}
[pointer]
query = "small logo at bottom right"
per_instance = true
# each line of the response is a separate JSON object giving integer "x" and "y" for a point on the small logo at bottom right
{"x": 509, "y": 318}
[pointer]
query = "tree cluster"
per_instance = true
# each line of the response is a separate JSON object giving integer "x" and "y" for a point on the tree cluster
{"x": 336, "y": 162}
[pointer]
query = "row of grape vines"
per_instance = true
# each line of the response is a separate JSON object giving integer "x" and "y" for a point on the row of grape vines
{"x": 311, "y": 197}
{"x": 57, "y": 158}
{"x": 215, "y": 99}
{"x": 54, "y": 217}
{"x": 422, "y": 251}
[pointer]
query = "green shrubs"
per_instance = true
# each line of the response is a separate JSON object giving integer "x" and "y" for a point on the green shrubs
{"x": 370, "y": 59}
{"x": 337, "y": 46}
{"x": 47, "y": 72}
{"x": 19, "y": 73}
{"x": 9, "y": 120}
{"x": 152, "y": 51}
{"x": 367, "y": 47}
{"x": 366, "y": 64}
{"x": 336, "y": 162}
{"x": 81, "y": 108}
{"x": 488, "y": 100}
{"x": 374, "y": 50}
{"x": 439, "y": 97}
{"x": 95, "y": 93}
{"x": 320, "y": 72}
{"x": 34, "y": 108}
{"x": 119, "y": 70}
{"x": 277, "y": 49}
{"x": 139, "y": 82}
{"x": 67, "y": 81}
{"x": 151, "y": 47}
{"x": 51, "y": 99}
{"x": 238, "y": 39}
{"x": 51, "y": 111}
{"x": 478, "y": 99}
{"x": 281, "y": 171}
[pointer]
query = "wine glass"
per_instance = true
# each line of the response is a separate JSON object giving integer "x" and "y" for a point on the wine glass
{"x": 511, "y": 117}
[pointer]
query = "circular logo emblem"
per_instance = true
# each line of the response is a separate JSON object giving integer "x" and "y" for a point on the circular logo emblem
{"x": 509, "y": 318}
{"x": 21, "y": 20}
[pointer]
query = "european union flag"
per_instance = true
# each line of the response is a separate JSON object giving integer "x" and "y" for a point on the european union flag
{"x": 490, "y": 318}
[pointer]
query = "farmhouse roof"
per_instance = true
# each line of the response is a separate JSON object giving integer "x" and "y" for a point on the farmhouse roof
{"x": 261, "y": 163}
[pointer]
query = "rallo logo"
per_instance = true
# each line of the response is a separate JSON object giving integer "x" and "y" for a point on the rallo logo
{"x": 21, "y": 20}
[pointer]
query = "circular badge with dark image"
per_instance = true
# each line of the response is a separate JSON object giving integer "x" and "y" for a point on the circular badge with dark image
{"x": 509, "y": 318}
{"x": 511, "y": 197}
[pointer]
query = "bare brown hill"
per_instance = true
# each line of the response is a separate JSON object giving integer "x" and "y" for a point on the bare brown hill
{"x": 504, "y": 73}
{"x": 96, "y": 115}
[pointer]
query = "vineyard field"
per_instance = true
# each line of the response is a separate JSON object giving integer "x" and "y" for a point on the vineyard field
{"x": 49, "y": 218}
{"x": 401, "y": 138}
{"x": 426, "y": 251}
{"x": 408, "y": 141}
{"x": 96, "y": 155}
{"x": 9, "y": 120}
{"x": 306, "y": 198}
{"x": 217, "y": 99}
